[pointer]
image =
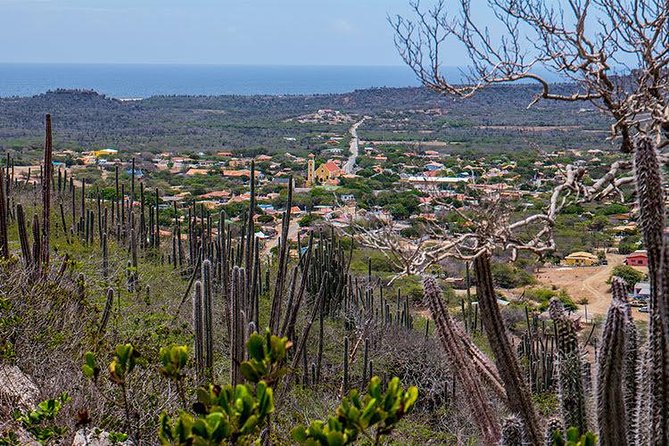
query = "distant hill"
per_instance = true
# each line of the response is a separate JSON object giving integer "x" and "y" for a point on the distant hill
{"x": 87, "y": 119}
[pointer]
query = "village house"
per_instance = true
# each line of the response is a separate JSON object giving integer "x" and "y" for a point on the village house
{"x": 641, "y": 290}
{"x": 637, "y": 258}
{"x": 220, "y": 195}
{"x": 581, "y": 258}
{"x": 242, "y": 173}
{"x": 194, "y": 171}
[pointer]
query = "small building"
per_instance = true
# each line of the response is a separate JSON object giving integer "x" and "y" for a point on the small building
{"x": 193, "y": 171}
{"x": 105, "y": 152}
{"x": 347, "y": 198}
{"x": 581, "y": 258}
{"x": 642, "y": 290}
{"x": 637, "y": 258}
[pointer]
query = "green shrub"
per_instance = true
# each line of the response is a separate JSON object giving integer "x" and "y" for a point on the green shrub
{"x": 508, "y": 276}
{"x": 630, "y": 275}
{"x": 542, "y": 296}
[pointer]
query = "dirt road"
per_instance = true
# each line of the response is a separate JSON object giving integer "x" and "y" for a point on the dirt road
{"x": 293, "y": 229}
{"x": 586, "y": 282}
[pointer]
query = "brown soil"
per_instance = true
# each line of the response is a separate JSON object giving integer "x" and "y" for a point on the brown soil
{"x": 587, "y": 282}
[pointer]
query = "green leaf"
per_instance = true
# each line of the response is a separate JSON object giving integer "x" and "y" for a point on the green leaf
{"x": 255, "y": 346}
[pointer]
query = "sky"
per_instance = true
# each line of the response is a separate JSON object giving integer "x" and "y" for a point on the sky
{"x": 247, "y": 32}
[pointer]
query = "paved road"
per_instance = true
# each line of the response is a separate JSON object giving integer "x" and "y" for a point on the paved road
{"x": 349, "y": 167}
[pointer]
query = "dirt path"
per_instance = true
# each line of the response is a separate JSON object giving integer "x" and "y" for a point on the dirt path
{"x": 586, "y": 282}
{"x": 293, "y": 229}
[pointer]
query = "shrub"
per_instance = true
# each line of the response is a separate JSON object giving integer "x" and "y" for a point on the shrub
{"x": 630, "y": 275}
{"x": 510, "y": 276}
{"x": 542, "y": 296}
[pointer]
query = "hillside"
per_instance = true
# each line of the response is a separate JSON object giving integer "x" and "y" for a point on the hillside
{"x": 497, "y": 119}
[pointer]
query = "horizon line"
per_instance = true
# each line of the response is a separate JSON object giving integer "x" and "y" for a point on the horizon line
{"x": 213, "y": 64}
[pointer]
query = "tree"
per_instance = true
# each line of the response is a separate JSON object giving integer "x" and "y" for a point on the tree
{"x": 629, "y": 275}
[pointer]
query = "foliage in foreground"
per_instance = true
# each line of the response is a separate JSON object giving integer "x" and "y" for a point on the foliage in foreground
{"x": 226, "y": 414}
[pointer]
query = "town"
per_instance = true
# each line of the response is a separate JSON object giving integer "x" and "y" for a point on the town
{"x": 411, "y": 184}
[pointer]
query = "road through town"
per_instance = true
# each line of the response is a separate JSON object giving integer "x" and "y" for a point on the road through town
{"x": 349, "y": 167}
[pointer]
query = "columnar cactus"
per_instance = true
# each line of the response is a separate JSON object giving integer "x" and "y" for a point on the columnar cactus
{"x": 46, "y": 195}
{"x": 23, "y": 235}
{"x": 198, "y": 330}
{"x": 518, "y": 393}
{"x": 611, "y": 416}
{"x": 106, "y": 312}
{"x": 236, "y": 327}
{"x": 480, "y": 406}
{"x": 105, "y": 257}
{"x": 4, "y": 240}
{"x": 207, "y": 315}
{"x": 652, "y": 218}
{"x": 512, "y": 432}
{"x": 365, "y": 363}
{"x": 570, "y": 370}
{"x": 345, "y": 361}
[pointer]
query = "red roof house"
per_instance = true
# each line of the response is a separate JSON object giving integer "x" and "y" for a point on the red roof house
{"x": 637, "y": 258}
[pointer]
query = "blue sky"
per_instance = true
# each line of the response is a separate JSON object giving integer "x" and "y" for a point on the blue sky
{"x": 285, "y": 32}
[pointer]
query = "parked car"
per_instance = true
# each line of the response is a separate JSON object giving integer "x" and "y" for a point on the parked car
{"x": 644, "y": 309}
{"x": 638, "y": 303}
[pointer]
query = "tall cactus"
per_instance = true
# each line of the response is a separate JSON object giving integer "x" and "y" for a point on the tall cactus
{"x": 277, "y": 299}
{"x": 236, "y": 326}
{"x": 480, "y": 406}
{"x": 23, "y": 235}
{"x": 631, "y": 386}
{"x": 652, "y": 218}
{"x": 106, "y": 312}
{"x": 518, "y": 393}
{"x": 611, "y": 415}
{"x": 345, "y": 380}
{"x": 105, "y": 257}
{"x": 4, "y": 239}
{"x": 46, "y": 195}
{"x": 198, "y": 331}
{"x": 570, "y": 370}
{"x": 207, "y": 315}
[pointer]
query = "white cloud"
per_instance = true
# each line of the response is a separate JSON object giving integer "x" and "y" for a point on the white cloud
{"x": 342, "y": 26}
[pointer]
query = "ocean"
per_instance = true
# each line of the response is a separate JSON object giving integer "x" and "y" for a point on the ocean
{"x": 141, "y": 81}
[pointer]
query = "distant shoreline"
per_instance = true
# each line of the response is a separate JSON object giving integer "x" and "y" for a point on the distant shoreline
{"x": 143, "y": 81}
{"x": 135, "y": 81}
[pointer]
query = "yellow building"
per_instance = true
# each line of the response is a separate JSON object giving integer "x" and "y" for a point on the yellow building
{"x": 105, "y": 152}
{"x": 581, "y": 258}
{"x": 327, "y": 173}
{"x": 310, "y": 171}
